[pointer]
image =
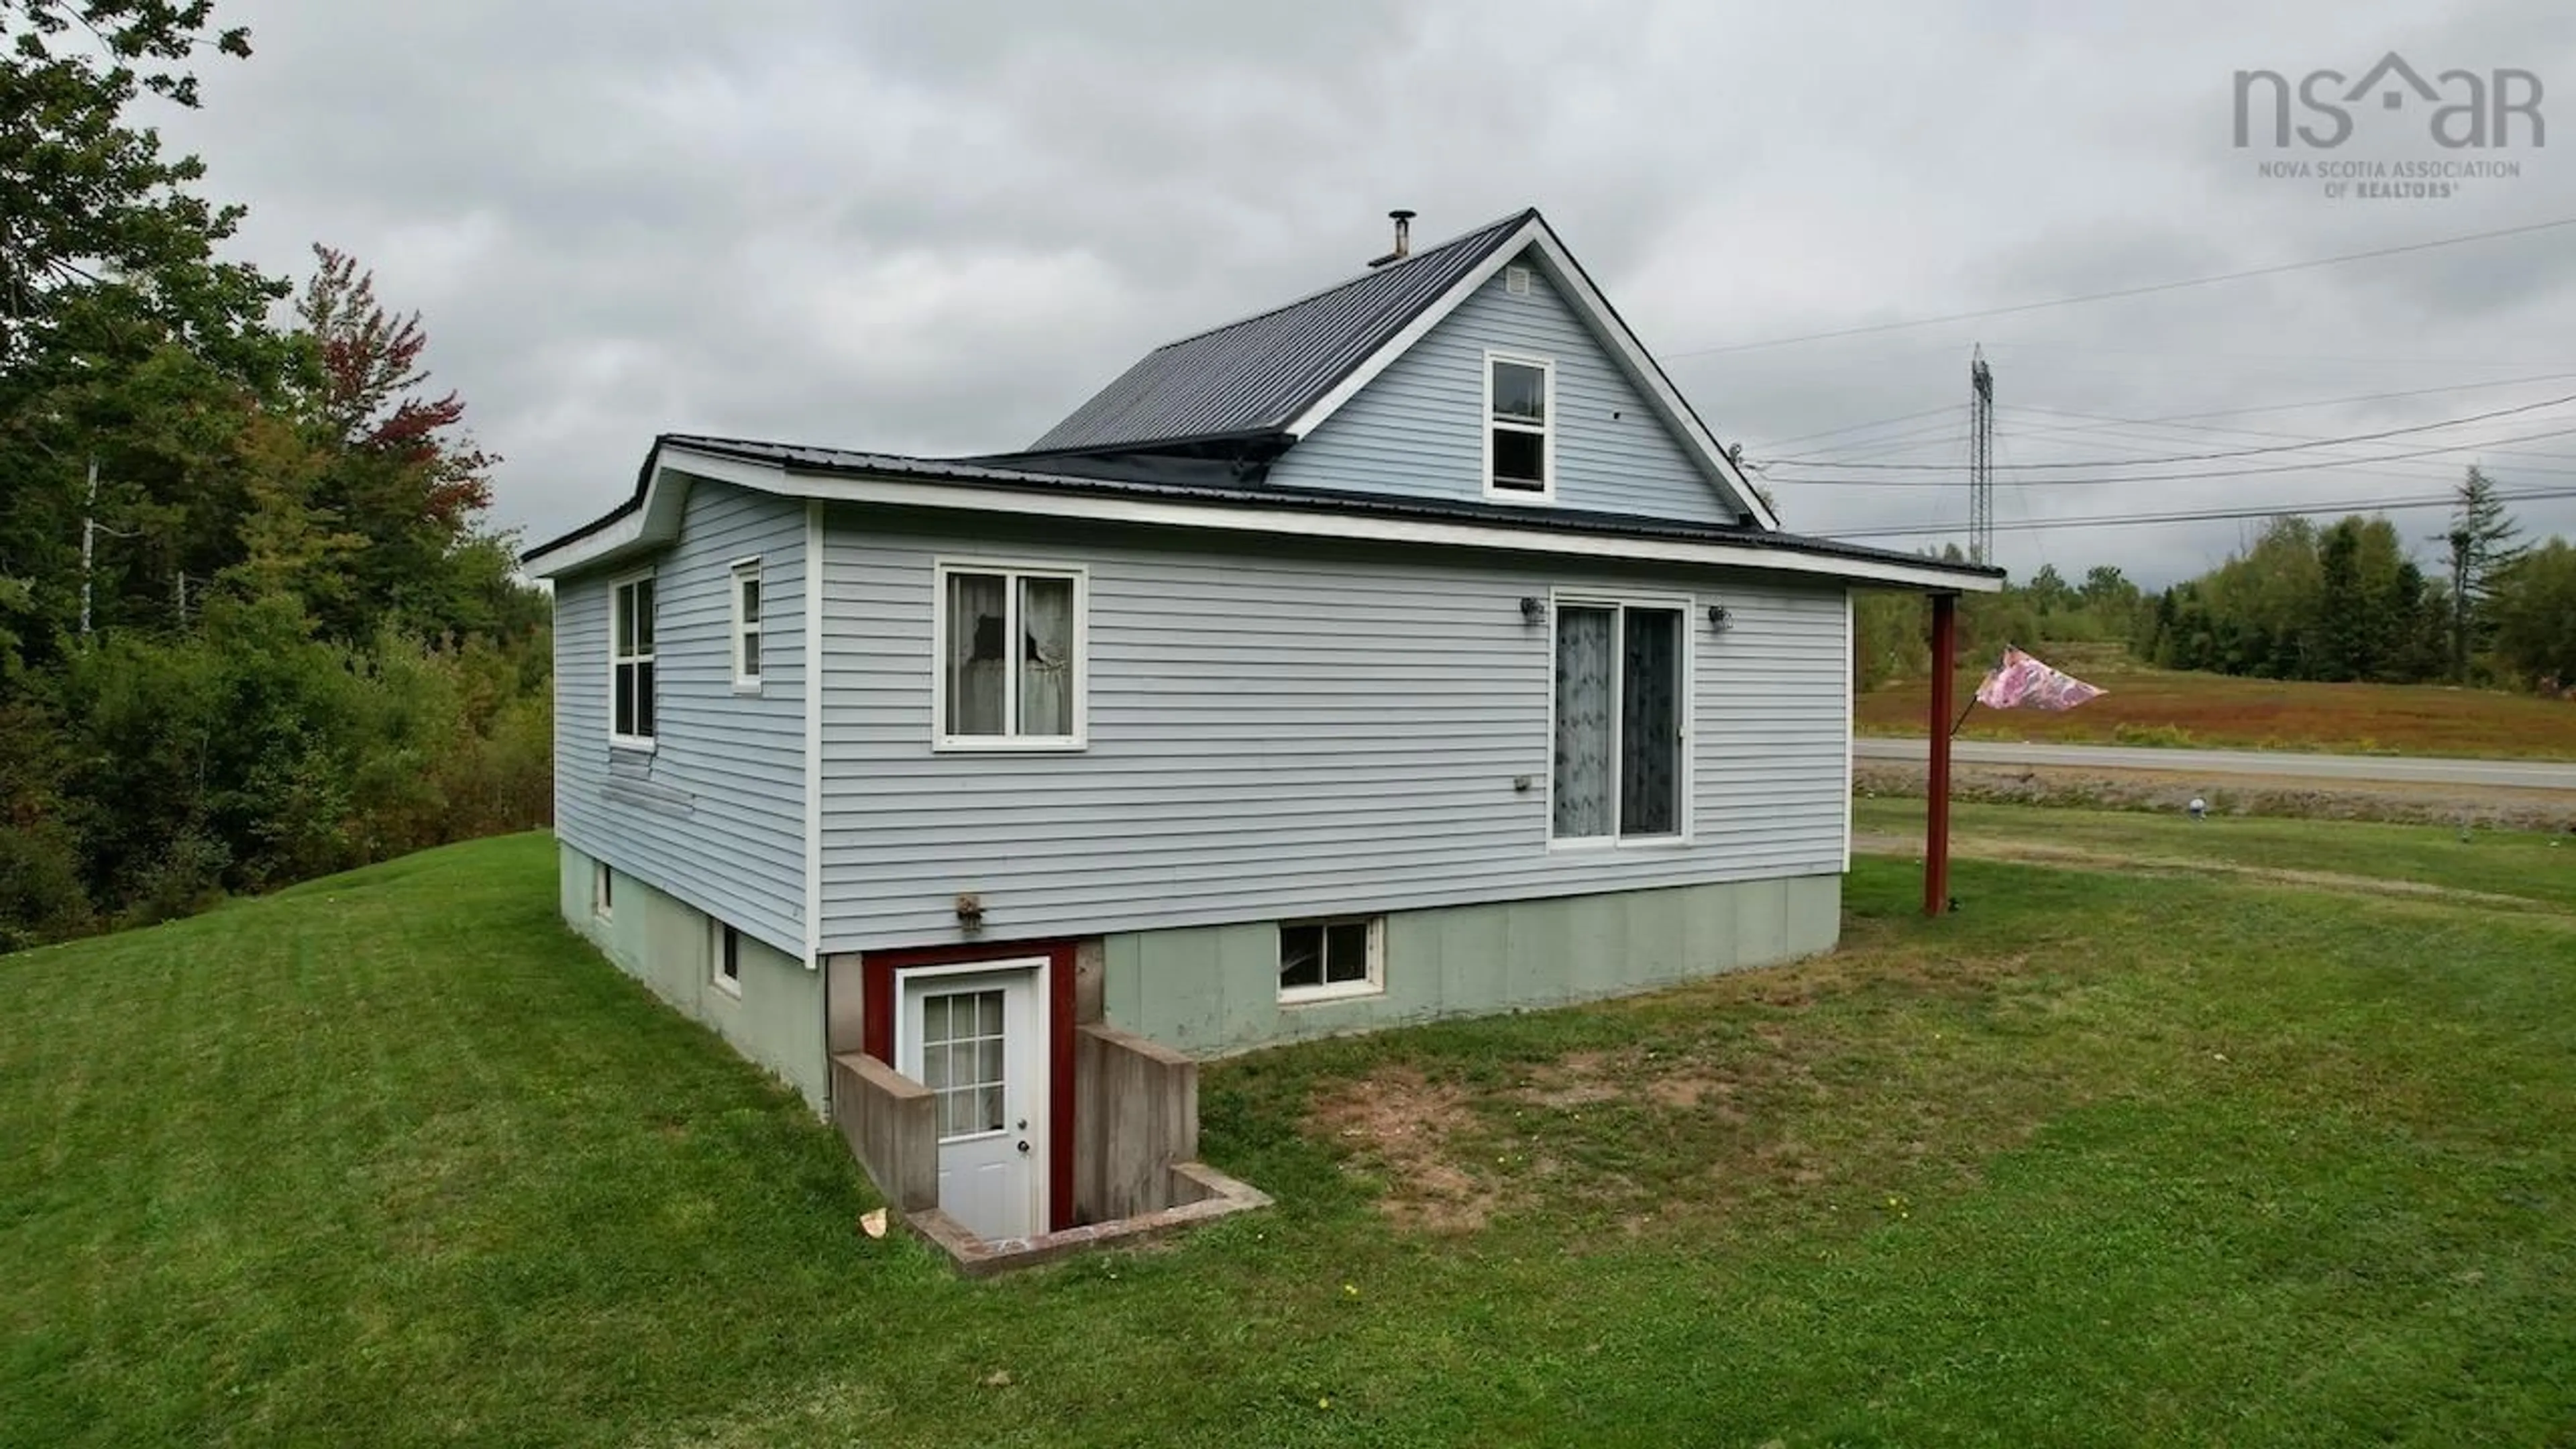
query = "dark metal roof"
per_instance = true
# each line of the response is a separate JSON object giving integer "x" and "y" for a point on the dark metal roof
{"x": 1210, "y": 491}
{"x": 1257, "y": 374}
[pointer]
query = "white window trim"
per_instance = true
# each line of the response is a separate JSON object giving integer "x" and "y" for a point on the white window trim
{"x": 729, "y": 985}
{"x": 757, "y": 629}
{"x": 942, "y": 742}
{"x": 1373, "y": 985}
{"x": 617, "y": 586}
{"x": 603, "y": 891}
{"x": 1589, "y": 844}
{"x": 1546, "y": 431}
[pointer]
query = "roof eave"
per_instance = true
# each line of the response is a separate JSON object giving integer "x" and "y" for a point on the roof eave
{"x": 652, "y": 520}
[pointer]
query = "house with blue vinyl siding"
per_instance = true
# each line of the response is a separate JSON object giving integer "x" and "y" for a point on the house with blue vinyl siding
{"x": 1410, "y": 650}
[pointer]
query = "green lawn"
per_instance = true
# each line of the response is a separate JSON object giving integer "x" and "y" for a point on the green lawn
{"x": 2534, "y": 866}
{"x": 2109, "y": 1158}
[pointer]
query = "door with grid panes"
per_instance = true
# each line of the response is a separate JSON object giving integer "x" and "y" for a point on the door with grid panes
{"x": 975, "y": 1037}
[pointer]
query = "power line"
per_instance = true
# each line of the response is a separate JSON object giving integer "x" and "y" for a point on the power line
{"x": 2110, "y": 432}
{"x": 1949, "y": 427}
{"x": 1868, "y": 446}
{"x": 2173, "y": 286}
{"x": 2287, "y": 510}
{"x": 2323, "y": 402}
{"x": 1856, "y": 427}
{"x": 2337, "y": 442}
{"x": 2143, "y": 443}
{"x": 2311, "y": 466}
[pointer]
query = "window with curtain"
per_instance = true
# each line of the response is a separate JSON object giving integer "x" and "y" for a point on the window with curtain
{"x": 630, "y": 661}
{"x": 1619, "y": 692}
{"x": 1010, "y": 646}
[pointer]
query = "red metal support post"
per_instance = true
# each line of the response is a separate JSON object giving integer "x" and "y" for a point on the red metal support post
{"x": 1945, "y": 674}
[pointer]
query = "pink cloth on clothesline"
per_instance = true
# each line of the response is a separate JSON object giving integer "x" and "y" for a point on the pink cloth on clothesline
{"x": 2021, "y": 682}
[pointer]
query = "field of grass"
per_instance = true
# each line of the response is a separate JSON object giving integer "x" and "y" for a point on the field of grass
{"x": 2528, "y": 867}
{"x": 2110, "y": 1158}
{"x": 2145, "y": 706}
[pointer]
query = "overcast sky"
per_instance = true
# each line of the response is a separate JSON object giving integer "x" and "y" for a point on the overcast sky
{"x": 936, "y": 228}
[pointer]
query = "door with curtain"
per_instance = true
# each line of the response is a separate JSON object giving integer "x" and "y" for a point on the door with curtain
{"x": 1621, "y": 677}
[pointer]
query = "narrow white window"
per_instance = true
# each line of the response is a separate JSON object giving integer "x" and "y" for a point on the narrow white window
{"x": 1011, "y": 666}
{"x": 1323, "y": 960}
{"x": 603, "y": 889}
{"x": 746, "y": 626}
{"x": 1520, "y": 449}
{"x": 1621, "y": 670}
{"x": 631, "y": 662}
{"x": 727, "y": 959}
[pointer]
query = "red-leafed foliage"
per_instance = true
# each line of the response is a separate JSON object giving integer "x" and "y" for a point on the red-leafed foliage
{"x": 370, "y": 369}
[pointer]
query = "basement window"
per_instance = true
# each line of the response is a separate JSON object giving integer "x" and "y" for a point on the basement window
{"x": 1329, "y": 959}
{"x": 727, "y": 959}
{"x": 603, "y": 890}
{"x": 1520, "y": 446}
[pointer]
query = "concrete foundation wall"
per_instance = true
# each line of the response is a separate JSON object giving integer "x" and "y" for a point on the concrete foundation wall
{"x": 1136, "y": 1118}
{"x": 777, "y": 1021}
{"x": 1213, "y": 990}
{"x": 892, "y": 1125}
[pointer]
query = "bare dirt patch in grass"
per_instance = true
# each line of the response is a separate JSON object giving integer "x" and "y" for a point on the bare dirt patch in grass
{"x": 1743, "y": 1094}
{"x": 1578, "y": 1079}
{"x": 1404, "y": 1124}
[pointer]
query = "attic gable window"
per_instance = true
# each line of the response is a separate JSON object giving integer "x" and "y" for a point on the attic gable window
{"x": 1520, "y": 446}
{"x": 630, "y": 663}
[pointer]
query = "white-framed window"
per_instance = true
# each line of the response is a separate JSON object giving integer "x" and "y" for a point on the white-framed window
{"x": 630, "y": 662}
{"x": 1620, "y": 718}
{"x": 603, "y": 890}
{"x": 746, "y": 626}
{"x": 1012, "y": 647}
{"x": 1520, "y": 439}
{"x": 1326, "y": 959}
{"x": 724, "y": 958}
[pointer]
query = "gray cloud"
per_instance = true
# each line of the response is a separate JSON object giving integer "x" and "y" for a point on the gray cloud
{"x": 936, "y": 228}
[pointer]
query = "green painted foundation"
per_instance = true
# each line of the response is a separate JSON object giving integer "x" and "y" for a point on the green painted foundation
{"x": 1214, "y": 990}
{"x": 670, "y": 946}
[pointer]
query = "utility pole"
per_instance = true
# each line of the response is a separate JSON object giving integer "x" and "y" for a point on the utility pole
{"x": 1981, "y": 458}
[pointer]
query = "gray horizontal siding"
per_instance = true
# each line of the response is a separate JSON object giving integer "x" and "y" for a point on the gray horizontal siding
{"x": 1289, "y": 733}
{"x": 715, "y": 816}
{"x": 1418, "y": 429}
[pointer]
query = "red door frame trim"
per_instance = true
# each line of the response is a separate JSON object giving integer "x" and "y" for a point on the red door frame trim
{"x": 876, "y": 993}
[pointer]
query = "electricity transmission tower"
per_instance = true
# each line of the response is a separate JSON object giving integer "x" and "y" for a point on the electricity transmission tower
{"x": 1981, "y": 459}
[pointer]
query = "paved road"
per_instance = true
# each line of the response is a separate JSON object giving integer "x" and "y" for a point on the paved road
{"x": 2370, "y": 769}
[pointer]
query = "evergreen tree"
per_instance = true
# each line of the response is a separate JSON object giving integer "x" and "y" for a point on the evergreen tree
{"x": 2481, "y": 543}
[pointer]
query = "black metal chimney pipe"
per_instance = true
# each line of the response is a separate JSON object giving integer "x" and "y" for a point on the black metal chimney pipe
{"x": 1403, "y": 238}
